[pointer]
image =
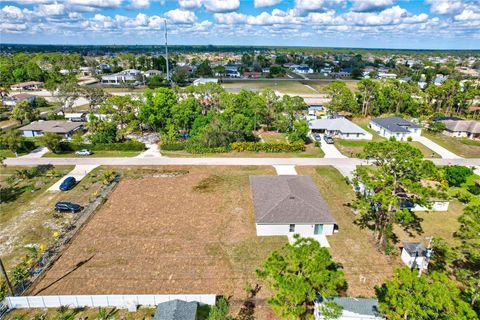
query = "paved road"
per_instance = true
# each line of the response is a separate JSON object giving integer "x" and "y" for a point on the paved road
{"x": 158, "y": 161}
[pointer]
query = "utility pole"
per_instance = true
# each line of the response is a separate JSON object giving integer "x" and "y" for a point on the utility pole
{"x": 426, "y": 259}
{"x": 166, "y": 51}
{"x": 9, "y": 284}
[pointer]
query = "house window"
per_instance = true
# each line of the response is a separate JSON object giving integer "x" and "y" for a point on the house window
{"x": 292, "y": 228}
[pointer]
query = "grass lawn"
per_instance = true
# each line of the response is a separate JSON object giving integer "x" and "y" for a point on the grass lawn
{"x": 6, "y": 153}
{"x": 310, "y": 152}
{"x": 364, "y": 266}
{"x": 96, "y": 154}
{"x": 8, "y": 123}
{"x": 353, "y": 148}
{"x": 26, "y": 210}
{"x": 290, "y": 87}
{"x": 321, "y": 85}
{"x": 272, "y": 136}
{"x": 462, "y": 147}
{"x": 83, "y": 313}
{"x": 193, "y": 227}
{"x": 436, "y": 224}
{"x": 128, "y": 90}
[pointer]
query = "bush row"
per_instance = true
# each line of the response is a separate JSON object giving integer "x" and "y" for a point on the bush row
{"x": 123, "y": 146}
{"x": 173, "y": 146}
{"x": 271, "y": 147}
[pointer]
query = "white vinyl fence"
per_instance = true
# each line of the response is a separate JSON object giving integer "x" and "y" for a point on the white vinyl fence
{"x": 92, "y": 301}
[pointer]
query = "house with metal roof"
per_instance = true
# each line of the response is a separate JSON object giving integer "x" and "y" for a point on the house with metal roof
{"x": 415, "y": 255}
{"x": 63, "y": 128}
{"x": 396, "y": 127}
{"x": 287, "y": 205}
{"x": 339, "y": 127}
{"x": 352, "y": 308}
{"x": 176, "y": 310}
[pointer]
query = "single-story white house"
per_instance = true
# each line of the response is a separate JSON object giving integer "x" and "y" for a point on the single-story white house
{"x": 339, "y": 127}
{"x": 415, "y": 255}
{"x": 396, "y": 127}
{"x": 352, "y": 308}
{"x": 462, "y": 128}
{"x": 19, "y": 97}
{"x": 150, "y": 73}
{"x": 30, "y": 85}
{"x": 63, "y": 128}
{"x": 303, "y": 70}
{"x": 198, "y": 81}
{"x": 287, "y": 205}
{"x": 125, "y": 76}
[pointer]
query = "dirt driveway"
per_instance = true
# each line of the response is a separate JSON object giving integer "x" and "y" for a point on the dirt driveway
{"x": 191, "y": 233}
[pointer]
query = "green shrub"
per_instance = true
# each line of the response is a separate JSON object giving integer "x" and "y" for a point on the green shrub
{"x": 173, "y": 146}
{"x": 316, "y": 144}
{"x": 409, "y": 139}
{"x": 461, "y": 194}
{"x": 456, "y": 175}
{"x": 130, "y": 145}
{"x": 270, "y": 147}
{"x": 474, "y": 189}
{"x": 197, "y": 148}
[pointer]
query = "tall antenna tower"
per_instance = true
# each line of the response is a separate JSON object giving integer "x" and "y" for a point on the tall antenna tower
{"x": 166, "y": 51}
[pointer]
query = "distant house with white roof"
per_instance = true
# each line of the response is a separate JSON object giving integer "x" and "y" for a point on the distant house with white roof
{"x": 339, "y": 127}
{"x": 126, "y": 76}
{"x": 198, "y": 81}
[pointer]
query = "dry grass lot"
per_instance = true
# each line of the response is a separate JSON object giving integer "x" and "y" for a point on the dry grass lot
{"x": 462, "y": 147}
{"x": 158, "y": 233}
{"x": 364, "y": 266}
{"x": 286, "y": 87}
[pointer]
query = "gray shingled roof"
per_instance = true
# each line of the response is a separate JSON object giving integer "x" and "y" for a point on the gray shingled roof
{"x": 288, "y": 199}
{"x": 176, "y": 310}
{"x": 55, "y": 126}
{"x": 414, "y": 248}
{"x": 470, "y": 126}
{"x": 395, "y": 124}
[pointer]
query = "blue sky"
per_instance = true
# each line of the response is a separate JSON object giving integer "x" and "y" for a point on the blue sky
{"x": 415, "y": 24}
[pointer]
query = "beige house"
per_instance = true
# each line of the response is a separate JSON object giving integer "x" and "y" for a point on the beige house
{"x": 462, "y": 128}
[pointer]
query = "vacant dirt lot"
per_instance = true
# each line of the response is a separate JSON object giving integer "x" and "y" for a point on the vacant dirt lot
{"x": 160, "y": 233}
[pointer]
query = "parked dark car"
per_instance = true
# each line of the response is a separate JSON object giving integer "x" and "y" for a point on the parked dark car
{"x": 328, "y": 139}
{"x": 67, "y": 206}
{"x": 68, "y": 183}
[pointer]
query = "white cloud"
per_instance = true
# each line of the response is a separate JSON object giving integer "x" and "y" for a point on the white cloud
{"x": 110, "y": 4}
{"x": 11, "y": 13}
{"x": 55, "y": 9}
{"x": 190, "y": 4}
{"x": 221, "y": 5}
{"x": 468, "y": 14}
{"x": 390, "y": 16}
{"x": 139, "y": 4}
{"x": 316, "y": 5}
{"x": 265, "y": 3}
{"x": 449, "y": 7}
{"x": 371, "y": 5}
{"x": 181, "y": 16}
{"x": 230, "y": 18}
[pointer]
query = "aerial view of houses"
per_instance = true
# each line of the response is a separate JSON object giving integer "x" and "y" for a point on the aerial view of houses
{"x": 239, "y": 160}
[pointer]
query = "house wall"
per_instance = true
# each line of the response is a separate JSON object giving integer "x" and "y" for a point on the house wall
{"x": 355, "y": 136}
{"x": 399, "y": 136}
{"x": 30, "y": 134}
{"x": 436, "y": 206}
{"x": 409, "y": 260}
{"x": 304, "y": 230}
{"x": 458, "y": 134}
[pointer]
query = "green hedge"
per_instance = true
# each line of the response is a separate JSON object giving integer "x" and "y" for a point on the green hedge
{"x": 270, "y": 147}
{"x": 173, "y": 146}
{"x": 199, "y": 148}
{"x": 121, "y": 146}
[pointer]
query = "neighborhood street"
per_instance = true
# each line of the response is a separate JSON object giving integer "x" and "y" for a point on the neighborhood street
{"x": 215, "y": 161}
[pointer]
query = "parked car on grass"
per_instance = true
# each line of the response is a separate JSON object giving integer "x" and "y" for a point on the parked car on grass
{"x": 68, "y": 184}
{"x": 67, "y": 206}
{"x": 84, "y": 152}
{"x": 328, "y": 139}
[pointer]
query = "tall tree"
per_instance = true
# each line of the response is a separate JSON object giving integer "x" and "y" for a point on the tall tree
{"x": 94, "y": 95}
{"x": 367, "y": 90}
{"x": 24, "y": 112}
{"x": 410, "y": 297}
{"x": 395, "y": 180}
{"x": 13, "y": 141}
{"x": 156, "y": 111}
{"x": 298, "y": 274}
{"x": 342, "y": 98}
{"x": 123, "y": 111}
{"x": 467, "y": 264}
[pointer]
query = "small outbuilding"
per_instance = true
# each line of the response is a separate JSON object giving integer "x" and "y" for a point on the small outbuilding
{"x": 287, "y": 205}
{"x": 176, "y": 310}
{"x": 29, "y": 85}
{"x": 352, "y": 308}
{"x": 415, "y": 255}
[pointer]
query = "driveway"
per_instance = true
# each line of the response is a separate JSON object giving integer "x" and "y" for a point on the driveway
{"x": 444, "y": 153}
{"x": 79, "y": 172}
{"x": 36, "y": 153}
{"x": 330, "y": 150}
{"x": 285, "y": 170}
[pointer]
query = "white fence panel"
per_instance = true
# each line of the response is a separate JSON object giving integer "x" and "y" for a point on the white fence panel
{"x": 118, "y": 301}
